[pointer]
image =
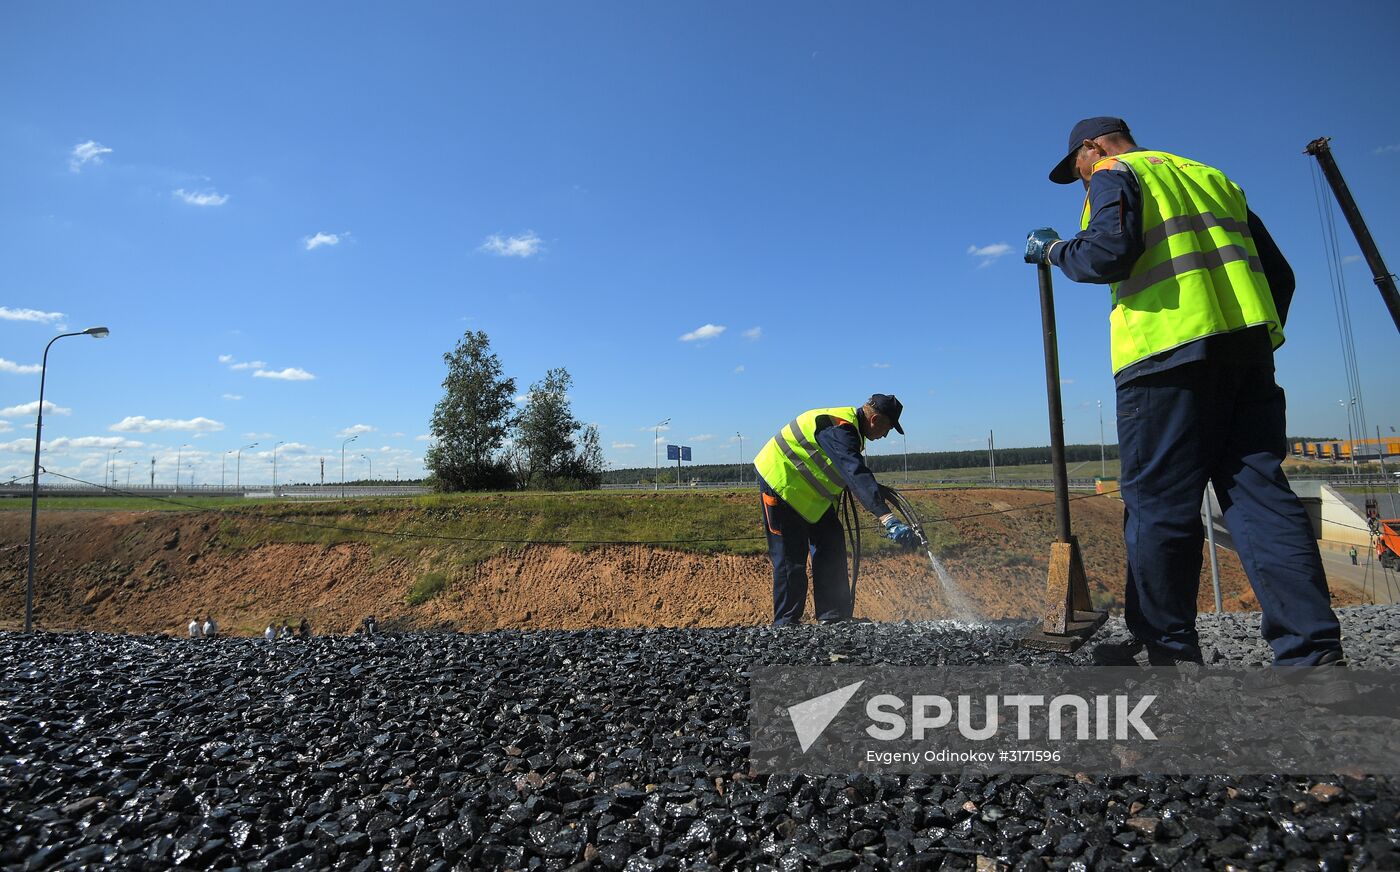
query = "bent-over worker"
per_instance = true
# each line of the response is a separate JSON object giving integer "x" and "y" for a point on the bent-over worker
{"x": 802, "y": 473}
{"x": 1199, "y": 297}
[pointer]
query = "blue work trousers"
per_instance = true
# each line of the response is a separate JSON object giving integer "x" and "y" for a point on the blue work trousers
{"x": 1204, "y": 422}
{"x": 791, "y": 539}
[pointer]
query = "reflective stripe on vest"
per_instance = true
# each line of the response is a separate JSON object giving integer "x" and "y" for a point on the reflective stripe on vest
{"x": 798, "y": 470}
{"x": 1199, "y": 274}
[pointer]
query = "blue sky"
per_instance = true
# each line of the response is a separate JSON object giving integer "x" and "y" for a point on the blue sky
{"x": 717, "y": 213}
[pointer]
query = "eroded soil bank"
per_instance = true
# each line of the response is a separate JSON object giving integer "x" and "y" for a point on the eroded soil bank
{"x": 153, "y": 571}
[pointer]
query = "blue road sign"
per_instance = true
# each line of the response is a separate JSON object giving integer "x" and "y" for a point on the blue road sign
{"x": 677, "y": 452}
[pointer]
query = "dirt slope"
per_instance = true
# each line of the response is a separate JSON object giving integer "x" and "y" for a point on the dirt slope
{"x": 152, "y": 572}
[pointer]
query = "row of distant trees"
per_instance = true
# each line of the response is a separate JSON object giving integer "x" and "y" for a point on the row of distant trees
{"x": 482, "y": 441}
{"x": 881, "y": 463}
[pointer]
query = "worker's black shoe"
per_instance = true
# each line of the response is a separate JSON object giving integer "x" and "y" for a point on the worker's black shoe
{"x": 1327, "y": 682}
{"x": 1141, "y": 654}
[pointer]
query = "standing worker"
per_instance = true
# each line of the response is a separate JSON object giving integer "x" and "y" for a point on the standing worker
{"x": 802, "y": 472}
{"x": 1200, "y": 293}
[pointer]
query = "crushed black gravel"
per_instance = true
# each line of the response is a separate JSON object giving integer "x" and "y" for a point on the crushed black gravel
{"x": 596, "y": 749}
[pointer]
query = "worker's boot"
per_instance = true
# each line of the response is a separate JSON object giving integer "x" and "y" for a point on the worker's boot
{"x": 1327, "y": 683}
{"x": 1134, "y": 652}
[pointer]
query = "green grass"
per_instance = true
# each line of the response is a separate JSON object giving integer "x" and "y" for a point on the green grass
{"x": 124, "y": 504}
{"x": 450, "y": 532}
{"x": 425, "y": 588}
{"x": 978, "y": 474}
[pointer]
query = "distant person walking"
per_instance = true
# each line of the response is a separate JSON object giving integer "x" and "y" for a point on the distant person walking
{"x": 1353, "y": 556}
{"x": 371, "y": 625}
{"x": 270, "y": 634}
{"x": 304, "y": 631}
{"x": 286, "y": 632}
{"x": 211, "y": 629}
{"x": 194, "y": 628}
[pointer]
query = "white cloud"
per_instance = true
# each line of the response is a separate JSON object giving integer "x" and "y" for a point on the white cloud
{"x": 426, "y": 437}
{"x": 18, "y": 368}
{"x": 31, "y": 408}
{"x": 703, "y": 437}
{"x": 225, "y": 358}
{"x": 142, "y": 424}
{"x": 92, "y": 442}
{"x": 738, "y": 369}
{"x": 708, "y": 331}
{"x": 200, "y": 198}
{"x": 31, "y": 315}
{"x": 525, "y": 245}
{"x": 5, "y": 427}
{"x": 879, "y": 366}
{"x": 248, "y": 364}
{"x": 753, "y": 333}
{"x": 989, "y": 253}
{"x": 1350, "y": 258}
{"x": 355, "y": 430}
{"x": 622, "y": 446}
{"x": 664, "y": 428}
{"x": 233, "y": 397}
{"x": 1387, "y": 149}
{"x": 86, "y": 152}
{"x": 314, "y": 242}
{"x": 291, "y": 373}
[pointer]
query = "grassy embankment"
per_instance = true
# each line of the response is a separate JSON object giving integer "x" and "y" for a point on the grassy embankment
{"x": 451, "y": 532}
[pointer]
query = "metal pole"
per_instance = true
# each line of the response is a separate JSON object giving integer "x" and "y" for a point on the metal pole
{"x": 98, "y": 333}
{"x": 656, "y": 455}
{"x": 111, "y": 470}
{"x": 1052, "y": 392}
{"x": 342, "y": 463}
{"x": 992, "y": 453}
{"x": 1103, "y": 464}
{"x": 1380, "y": 453}
{"x": 274, "y": 468}
{"x": 179, "y": 465}
{"x": 34, "y": 487}
{"x": 1210, "y": 534}
{"x": 1351, "y": 439}
{"x": 1385, "y": 282}
{"x": 370, "y": 461}
{"x": 741, "y": 458}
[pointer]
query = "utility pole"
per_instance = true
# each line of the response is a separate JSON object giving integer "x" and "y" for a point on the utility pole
{"x": 992, "y": 453}
{"x": 1103, "y": 464}
{"x": 741, "y": 457}
{"x": 323, "y": 470}
{"x": 153, "y": 472}
{"x": 1385, "y": 281}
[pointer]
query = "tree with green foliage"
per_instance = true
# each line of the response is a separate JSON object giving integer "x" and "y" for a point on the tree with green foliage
{"x": 472, "y": 419}
{"x": 545, "y": 452}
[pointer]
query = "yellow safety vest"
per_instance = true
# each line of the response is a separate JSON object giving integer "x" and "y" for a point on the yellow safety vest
{"x": 1199, "y": 273}
{"x": 797, "y": 469}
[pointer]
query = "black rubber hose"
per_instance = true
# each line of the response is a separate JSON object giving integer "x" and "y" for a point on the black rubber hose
{"x": 850, "y": 517}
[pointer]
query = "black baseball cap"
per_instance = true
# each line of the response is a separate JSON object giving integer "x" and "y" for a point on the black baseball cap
{"x": 1089, "y": 128}
{"x": 889, "y": 406}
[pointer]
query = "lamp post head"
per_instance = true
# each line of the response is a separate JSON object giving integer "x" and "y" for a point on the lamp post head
{"x": 98, "y": 332}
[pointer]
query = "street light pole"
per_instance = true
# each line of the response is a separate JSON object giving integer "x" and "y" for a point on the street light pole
{"x": 111, "y": 472}
{"x": 366, "y": 459}
{"x": 1351, "y": 439}
{"x": 274, "y": 466}
{"x": 342, "y": 463}
{"x": 95, "y": 333}
{"x": 1103, "y": 464}
{"x": 180, "y": 465}
{"x": 238, "y": 467}
{"x": 128, "y": 473}
{"x": 741, "y": 457}
{"x": 656, "y": 454}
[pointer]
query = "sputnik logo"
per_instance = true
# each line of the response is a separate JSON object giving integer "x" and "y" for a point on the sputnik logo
{"x": 811, "y": 717}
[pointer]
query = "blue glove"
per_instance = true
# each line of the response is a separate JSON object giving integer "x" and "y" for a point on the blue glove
{"x": 898, "y": 532}
{"x": 1038, "y": 244}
